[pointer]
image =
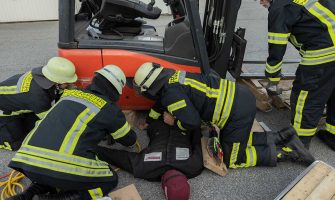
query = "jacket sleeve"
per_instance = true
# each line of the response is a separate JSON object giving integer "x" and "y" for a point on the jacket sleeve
{"x": 118, "y": 126}
{"x": 281, "y": 18}
{"x": 179, "y": 105}
{"x": 155, "y": 112}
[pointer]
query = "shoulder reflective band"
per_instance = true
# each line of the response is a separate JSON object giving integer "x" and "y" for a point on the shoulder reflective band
{"x": 89, "y": 100}
{"x": 23, "y": 85}
{"x": 325, "y": 16}
{"x": 153, "y": 114}
{"x": 278, "y": 38}
{"x": 273, "y": 69}
{"x": 176, "y": 106}
{"x": 122, "y": 131}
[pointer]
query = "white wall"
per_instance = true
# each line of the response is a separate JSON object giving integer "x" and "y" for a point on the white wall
{"x": 36, "y": 10}
{"x": 28, "y": 10}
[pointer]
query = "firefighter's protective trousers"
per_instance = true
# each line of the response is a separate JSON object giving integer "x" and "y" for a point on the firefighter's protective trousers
{"x": 309, "y": 25}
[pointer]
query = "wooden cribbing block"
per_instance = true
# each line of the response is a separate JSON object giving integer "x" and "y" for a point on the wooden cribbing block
{"x": 317, "y": 183}
{"x": 210, "y": 162}
{"x": 126, "y": 193}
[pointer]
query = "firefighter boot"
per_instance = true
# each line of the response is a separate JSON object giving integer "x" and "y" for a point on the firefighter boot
{"x": 294, "y": 150}
{"x": 71, "y": 195}
{"x": 32, "y": 190}
{"x": 327, "y": 138}
{"x": 284, "y": 135}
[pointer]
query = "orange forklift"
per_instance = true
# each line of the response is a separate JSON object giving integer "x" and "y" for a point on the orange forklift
{"x": 114, "y": 32}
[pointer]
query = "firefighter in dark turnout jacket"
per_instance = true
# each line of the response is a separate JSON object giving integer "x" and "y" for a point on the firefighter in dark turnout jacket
{"x": 60, "y": 151}
{"x": 25, "y": 98}
{"x": 310, "y": 26}
{"x": 169, "y": 148}
{"x": 191, "y": 98}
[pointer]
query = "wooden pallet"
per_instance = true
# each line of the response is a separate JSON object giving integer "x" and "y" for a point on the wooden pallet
{"x": 317, "y": 182}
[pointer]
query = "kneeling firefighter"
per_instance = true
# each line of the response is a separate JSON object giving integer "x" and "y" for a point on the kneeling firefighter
{"x": 25, "y": 98}
{"x": 192, "y": 98}
{"x": 169, "y": 148}
{"x": 59, "y": 153}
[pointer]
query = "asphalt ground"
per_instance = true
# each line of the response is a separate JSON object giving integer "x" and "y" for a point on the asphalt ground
{"x": 27, "y": 45}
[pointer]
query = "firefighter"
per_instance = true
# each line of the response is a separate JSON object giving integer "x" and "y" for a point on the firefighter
{"x": 310, "y": 26}
{"x": 192, "y": 98}
{"x": 59, "y": 153}
{"x": 25, "y": 98}
{"x": 169, "y": 148}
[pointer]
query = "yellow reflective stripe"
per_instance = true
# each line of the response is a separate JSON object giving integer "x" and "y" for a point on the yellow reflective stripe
{"x": 295, "y": 42}
{"x": 220, "y": 101}
{"x": 317, "y": 61}
{"x": 233, "y": 155}
{"x": 278, "y": 38}
{"x": 228, "y": 104}
{"x": 251, "y": 154}
{"x": 299, "y": 108}
{"x": 175, "y": 77}
{"x": 274, "y": 79}
{"x": 122, "y": 131}
{"x": 176, "y": 106}
{"x": 26, "y": 82}
{"x": 96, "y": 193}
{"x": 153, "y": 114}
{"x": 210, "y": 92}
{"x": 273, "y": 69}
{"x": 63, "y": 157}
{"x": 19, "y": 112}
{"x": 180, "y": 126}
{"x": 6, "y": 146}
{"x": 8, "y": 89}
{"x": 83, "y": 96}
{"x": 305, "y": 132}
{"x": 326, "y": 17}
{"x": 69, "y": 137}
{"x": 330, "y": 128}
{"x": 60, "y": 166}
{"x": 42, "y": 114}
{"x": 318, "y": 53}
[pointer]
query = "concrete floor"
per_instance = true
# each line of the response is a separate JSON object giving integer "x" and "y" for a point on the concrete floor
{"x": 27, "y": 45}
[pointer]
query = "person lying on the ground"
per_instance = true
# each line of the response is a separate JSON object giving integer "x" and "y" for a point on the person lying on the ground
{"x": 58, "y": 154}
{"x": 191, "y": 98}
{"x": 169, "y": 148}
{"x": 25, "y": 98}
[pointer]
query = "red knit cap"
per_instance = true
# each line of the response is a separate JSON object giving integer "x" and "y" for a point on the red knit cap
{"x": 175, "y": 185}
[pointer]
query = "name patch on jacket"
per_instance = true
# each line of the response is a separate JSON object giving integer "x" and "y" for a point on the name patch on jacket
{"x": 182, "y": 153}
{"x": 154, "y": 156}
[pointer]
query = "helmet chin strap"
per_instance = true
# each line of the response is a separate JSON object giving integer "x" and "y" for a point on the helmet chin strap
{"x": 155, "y": 66}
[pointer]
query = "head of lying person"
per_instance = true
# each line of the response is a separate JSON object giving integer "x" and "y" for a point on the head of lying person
{"x": 150, "y": 78}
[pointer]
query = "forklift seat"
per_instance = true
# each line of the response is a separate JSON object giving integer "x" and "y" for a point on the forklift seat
{"x": 127, "y": 10}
